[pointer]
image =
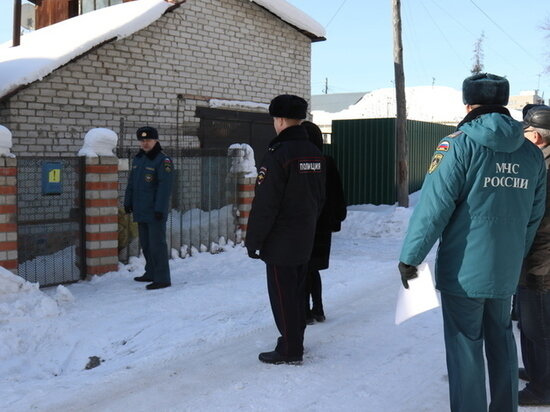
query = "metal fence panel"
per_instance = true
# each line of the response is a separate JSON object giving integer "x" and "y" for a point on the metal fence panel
{"x": 50, "y": 226}
{"x": 365, "y": 154}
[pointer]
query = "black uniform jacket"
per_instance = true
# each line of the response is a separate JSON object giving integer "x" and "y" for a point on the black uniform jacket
{"x": 290, "y": 192}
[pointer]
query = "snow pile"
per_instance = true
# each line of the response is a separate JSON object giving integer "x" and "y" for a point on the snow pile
{"x": 242, "y": 159}
{"x": 437, "y": 104}
{"x": 44, "y": 50}
{"x": 5, "y": 142}
{"x": 99, "y": 142}
{"x": 237, "y": 104}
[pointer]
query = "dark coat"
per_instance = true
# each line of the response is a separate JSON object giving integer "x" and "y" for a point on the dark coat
{"x": 536, "y": 266}
{"x": 149, "y": 185}
{"x": 289, "y": 195}
{"x": 333, "y": 214}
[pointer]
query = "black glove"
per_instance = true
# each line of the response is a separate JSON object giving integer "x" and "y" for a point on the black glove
{"x": 408, "y": 272}
{"x": 159, "y": 215}
{"x": 252, "y": 254}
{"x": 128, "y": 209}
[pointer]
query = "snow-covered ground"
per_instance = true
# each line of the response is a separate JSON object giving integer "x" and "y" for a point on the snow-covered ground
{"x": 194, "y": 346}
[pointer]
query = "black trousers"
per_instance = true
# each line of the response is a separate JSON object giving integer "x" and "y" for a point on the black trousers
{"x": 152, "y": 237}
{"x": 285, "y": 285}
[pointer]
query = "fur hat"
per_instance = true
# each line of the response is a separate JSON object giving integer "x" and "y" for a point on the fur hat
{"x": 538, "y": 117}
{"x": 147, "y": 132}
{"x": 314, "y": 133}
{"x": 485, "y": 88}
{"x": 288, "y": 106}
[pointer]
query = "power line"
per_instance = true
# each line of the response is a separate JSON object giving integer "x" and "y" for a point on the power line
{"x": 504, "y": 31}
{"x": 336, "y": 13}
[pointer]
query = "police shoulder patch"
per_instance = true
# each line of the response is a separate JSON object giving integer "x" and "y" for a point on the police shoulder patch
{"x": 274, "y": 147}
{"x": 261, "y": 175}
{"x": 434, "y": 164}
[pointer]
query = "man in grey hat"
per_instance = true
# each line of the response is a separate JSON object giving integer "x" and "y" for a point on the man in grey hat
{"x": 483, "y": 198}
{"x": 289, "y": 196}
{"x": 533, "y": 297}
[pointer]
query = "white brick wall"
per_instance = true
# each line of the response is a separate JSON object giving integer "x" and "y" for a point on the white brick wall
{"x": 223, "y": 49}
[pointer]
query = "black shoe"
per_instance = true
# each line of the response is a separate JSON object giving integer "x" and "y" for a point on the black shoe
{"x": 528, "y": 398}
{"x": 320, "y": 318}
{"x": 142, "y": 279}
{"x": 523, "y": 375}
{"x": 275, "y": 358}
{"x": 310, "y": 320}
{"x": 157, "y": 285}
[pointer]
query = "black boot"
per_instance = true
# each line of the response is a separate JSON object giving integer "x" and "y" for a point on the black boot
{"x": 275, "y": 358}
{"x": 157, "y": 285}
{"x": 142, "y": 278}
{"x": 527, "y": 398}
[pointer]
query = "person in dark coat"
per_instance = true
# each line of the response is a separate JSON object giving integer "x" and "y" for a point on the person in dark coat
{"x": 289, "y": 196}
{"x": 147, "y": 198}
{"x": 533, "y": 295}
{"x": 332, "y": 215}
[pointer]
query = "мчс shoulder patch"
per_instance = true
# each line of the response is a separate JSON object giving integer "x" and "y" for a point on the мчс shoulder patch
{"x": 436, "y": 160}
{"x": 167, "y": 164}
{"x": 443, "y": 146}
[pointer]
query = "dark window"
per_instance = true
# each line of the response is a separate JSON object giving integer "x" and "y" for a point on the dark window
{"x": 91, "y": 5}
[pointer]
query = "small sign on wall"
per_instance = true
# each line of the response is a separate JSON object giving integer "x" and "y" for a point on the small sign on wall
{"x": 52, "y": 182}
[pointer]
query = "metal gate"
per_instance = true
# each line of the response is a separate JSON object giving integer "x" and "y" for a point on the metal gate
{"x": 50, "y": 220}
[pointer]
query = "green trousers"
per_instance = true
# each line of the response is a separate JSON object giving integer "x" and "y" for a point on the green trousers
{"x": 469, "y": 323}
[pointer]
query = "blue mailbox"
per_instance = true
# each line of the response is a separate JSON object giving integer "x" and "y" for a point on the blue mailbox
{"x": 51, "y": 178}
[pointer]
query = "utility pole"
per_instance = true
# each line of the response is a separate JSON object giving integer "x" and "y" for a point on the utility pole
{"x": 326, "y": 85}
{"x": 16, "y": 22}
{"x": 402, "y": 149}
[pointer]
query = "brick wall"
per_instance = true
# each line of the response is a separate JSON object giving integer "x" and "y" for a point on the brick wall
{"x": 8, "y": 226}
{"x": 223, "y": 49}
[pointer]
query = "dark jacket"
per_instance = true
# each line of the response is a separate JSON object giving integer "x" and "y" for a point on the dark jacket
{"x": 289, "y": 195}
{"x": 536, "y": 267}
{"x": 149, "y": 185}
{"x": 333, "y": 214}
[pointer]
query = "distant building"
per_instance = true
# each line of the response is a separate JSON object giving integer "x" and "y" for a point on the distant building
{"x": 526, "y": 97}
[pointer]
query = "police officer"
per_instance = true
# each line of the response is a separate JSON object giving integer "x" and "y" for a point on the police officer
{"x": 146, "y": 197}
{"x": 483, "y": 198}
{"x": 289, "y": 196}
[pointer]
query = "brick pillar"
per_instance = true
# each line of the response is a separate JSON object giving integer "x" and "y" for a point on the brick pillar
{"x": 245, "y": 195}
{"x": 101, "y": 215}
{"x": 8, "y": 217}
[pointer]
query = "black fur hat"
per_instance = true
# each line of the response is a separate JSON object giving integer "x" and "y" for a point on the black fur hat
{"x": 538, "y": 117}
{"x": 147, "y": 132}
{"x": 288, "y": 106}
{"x": 485, "y": 88}
{"x": 314, "y": 133}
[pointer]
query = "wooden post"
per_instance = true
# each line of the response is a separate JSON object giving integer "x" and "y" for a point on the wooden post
{"x": 16, "y": 22}
{"x": 401, "y": 142}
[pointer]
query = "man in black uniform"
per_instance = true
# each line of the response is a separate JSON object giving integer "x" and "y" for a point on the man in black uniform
{"x": 290, "y": 191}
{"x": 146, "y": 197}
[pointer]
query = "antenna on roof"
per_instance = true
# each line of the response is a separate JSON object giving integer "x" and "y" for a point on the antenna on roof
{"x": 28, "y": 16}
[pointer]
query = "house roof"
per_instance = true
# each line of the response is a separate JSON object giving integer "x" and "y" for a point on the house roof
{"x": 335, "y": 102}
{"x": 44, "y": 50}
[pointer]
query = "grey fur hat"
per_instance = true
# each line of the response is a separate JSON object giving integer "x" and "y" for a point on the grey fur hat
{"x": 485, "y": 88}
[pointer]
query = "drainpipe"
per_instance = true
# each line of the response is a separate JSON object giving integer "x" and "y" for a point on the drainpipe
{"x": 16, "y": 22}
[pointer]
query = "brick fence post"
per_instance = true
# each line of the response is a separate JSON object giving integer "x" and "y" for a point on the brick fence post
{"x": 8, "y": 213}
{"x": 245, "y": 195}
{"x": 101, "y": 183}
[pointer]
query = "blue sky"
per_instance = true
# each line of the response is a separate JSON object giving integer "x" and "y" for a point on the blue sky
{"x": 438, "y": 42}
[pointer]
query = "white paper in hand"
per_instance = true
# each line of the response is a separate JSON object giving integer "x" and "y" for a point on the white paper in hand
{"x": 418, "y": 298}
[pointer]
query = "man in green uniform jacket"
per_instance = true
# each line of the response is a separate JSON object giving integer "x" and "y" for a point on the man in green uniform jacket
{"x": 483, "y": 198}
{"x": 147, "y": 198}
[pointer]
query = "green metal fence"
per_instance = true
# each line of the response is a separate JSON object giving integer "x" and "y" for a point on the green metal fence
{"x": 365, "y": 153}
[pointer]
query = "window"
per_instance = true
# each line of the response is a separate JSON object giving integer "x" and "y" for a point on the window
{"x": 91, "y": 5}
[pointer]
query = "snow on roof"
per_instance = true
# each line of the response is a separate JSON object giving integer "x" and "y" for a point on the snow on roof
{"x": 44, "y": 50}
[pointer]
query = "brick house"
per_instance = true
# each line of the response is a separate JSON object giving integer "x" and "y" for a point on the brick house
{"x": 166, "y": 74}
{"x": 201, "y": 71}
